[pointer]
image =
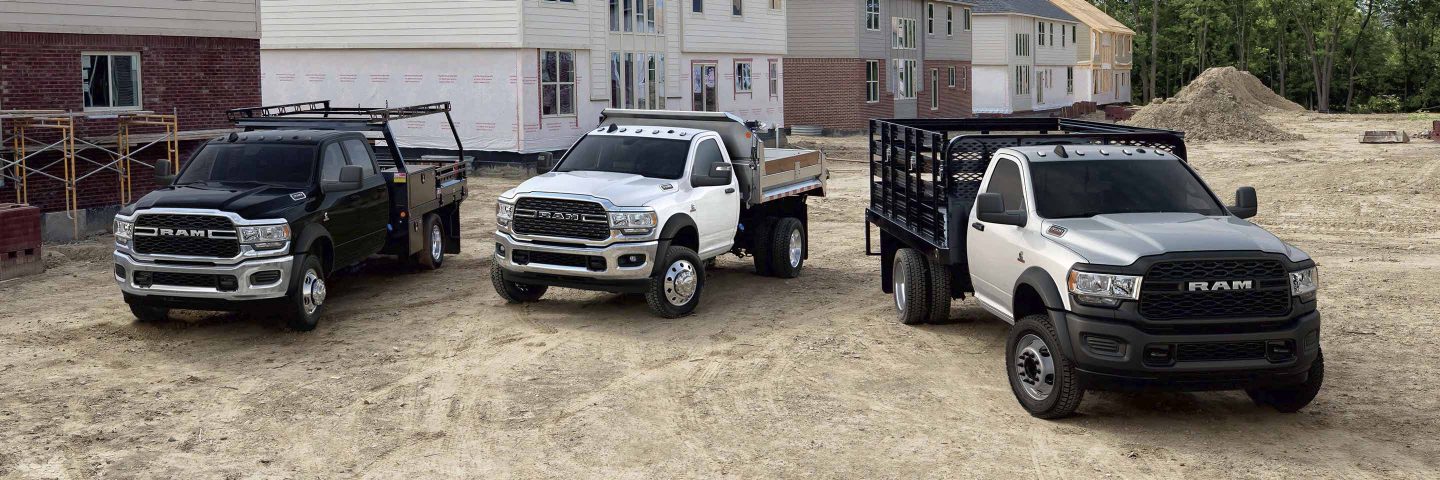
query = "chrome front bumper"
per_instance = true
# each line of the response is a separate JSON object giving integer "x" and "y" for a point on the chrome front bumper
{"x": 241, "y": 271}
{"x": 611, "y": 253}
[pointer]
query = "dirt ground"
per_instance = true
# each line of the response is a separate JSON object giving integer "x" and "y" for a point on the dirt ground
{"x": 430, "y": 374}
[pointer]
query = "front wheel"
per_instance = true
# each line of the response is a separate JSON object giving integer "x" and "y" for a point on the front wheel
{"x": 514, "y": 292}
{"x": 1292, "y": 398}
{"x": 306, "y": 301}
{"x": 433, "y": 256}
{"x": 675, "y": 290}
{"x": 1042, "y": 379}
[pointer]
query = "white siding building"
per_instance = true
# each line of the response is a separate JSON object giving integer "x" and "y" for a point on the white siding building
{"x": 1025, "y": 57}
{"x": 526, "y": 76}
{"x": 1104, "y": 55}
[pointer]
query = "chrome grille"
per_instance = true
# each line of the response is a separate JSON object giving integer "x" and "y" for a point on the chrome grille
{"x": 188, "y": 246}
{"x": 561, "y": 218}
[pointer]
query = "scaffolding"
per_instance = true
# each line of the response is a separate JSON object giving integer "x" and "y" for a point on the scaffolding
{"x": 22, "y": 145}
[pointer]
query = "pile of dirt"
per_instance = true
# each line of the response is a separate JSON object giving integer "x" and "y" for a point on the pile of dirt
{"x": 1221, "y": 104}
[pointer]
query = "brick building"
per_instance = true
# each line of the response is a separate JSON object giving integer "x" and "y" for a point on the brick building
{"x": 853, "y": 61}
{"x": 190, "y": 59}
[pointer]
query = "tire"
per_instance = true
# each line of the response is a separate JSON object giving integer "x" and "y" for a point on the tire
{"x": 149, "y": 314}
{"x": 939, "y": 294}
{"x": 1292, "y": 398}
{"x": 674, "y": 291}
{"x": 515, "y": 292}
{"x": 1043, "y": 380}
{"x": 433, "y": 255}
{"x": 911, "y": 286}
{"x": 306, "y": 302}
{"x": 787, "y": 248}
{"x": 760, "y": 246}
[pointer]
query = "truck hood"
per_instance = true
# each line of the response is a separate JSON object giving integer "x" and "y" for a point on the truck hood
{"x": 1120, "y": 239}
{"x": 621, "y": 189}
{"x": 249, "y": 201}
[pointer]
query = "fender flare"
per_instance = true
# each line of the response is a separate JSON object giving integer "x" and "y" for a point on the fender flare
{"x": 673, "y": 224}
{"x": 1040, "y": 280}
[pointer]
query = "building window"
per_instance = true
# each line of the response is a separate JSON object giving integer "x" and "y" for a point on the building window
{"x": 872, "y": 81}
{"x": 110, "y": 80}
{"x": 557, "y": 82}
{"x": 614, "y": 15}
{"x": 742, "y": 77}
{"x": 1022, "y": 44}
{"x": 904, "y": 33}
{"x": 628, "y": 15}
{"x": 1052, "y": 34}
{"x": 697, "y": 6}
{"x": 949, "y": 20}
{"x": 872, "y": 14}
{"x": 1069, "y": 79}
{"x": 951, "y": 74}
{"x": 735, "y": 7}
{"x": 930, "y": 19}
{"x": 967, "y": 19}
{"x": 905, "y": 77}
{"x": 1040, "y": 29}
{"x": 1022, "y": 79}
{"x": 774, "y": 4}
{"x": 774, "y": 75}
{"x": 934, "y": 89}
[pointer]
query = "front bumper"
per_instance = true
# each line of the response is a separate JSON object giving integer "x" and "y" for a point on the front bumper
{"x": 245, "y": 290}
{"x": 506, "y": 246}
{"x": 1131, "y": 366}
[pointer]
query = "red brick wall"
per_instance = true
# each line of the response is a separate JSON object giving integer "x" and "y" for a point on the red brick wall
{"x": 196, "y": 78}
{"x": 830, "y": 92}
{"x": 954, "y": 101}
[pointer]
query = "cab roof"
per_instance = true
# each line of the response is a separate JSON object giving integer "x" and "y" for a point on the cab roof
{"x": 298, "y": 137}
{"x": 672, "y": 133}
{"x": 1062, "y": 153}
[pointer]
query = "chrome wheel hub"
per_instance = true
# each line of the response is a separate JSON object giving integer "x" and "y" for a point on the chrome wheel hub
{"x": 681, "y": 280}
{"x": 312, "y": 291}
{"x": 436, "y": 243}
{"x": 1034, "y": 367}
{"x": 899, "y": 285}
{"x": 797, "y": 249}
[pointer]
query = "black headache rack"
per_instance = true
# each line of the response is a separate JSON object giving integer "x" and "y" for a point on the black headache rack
{"x": 319, "y": 115}
{"x": 926, "y": 173}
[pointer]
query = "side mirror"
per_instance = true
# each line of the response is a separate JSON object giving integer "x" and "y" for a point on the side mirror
{"x": 717, "y": 174}
{"x": 162, "y": 172}
{"x": 350, "y": 176}
{"x": 1245, "y": 205}
{"x": 990, "y": 208}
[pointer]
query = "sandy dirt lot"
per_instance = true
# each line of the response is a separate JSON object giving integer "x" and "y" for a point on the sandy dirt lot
{"x": 430, "y": 374}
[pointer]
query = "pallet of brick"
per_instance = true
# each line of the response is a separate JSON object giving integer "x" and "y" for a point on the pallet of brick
{"x": 20, "y": 249}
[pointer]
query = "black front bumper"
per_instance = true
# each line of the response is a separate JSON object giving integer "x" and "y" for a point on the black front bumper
{"x": 1128, "y": 358}
{"x": 579, "y": 283}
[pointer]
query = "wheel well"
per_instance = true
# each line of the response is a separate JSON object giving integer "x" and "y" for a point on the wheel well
{"x": 326, "y": 252}
{"x": 687, "y": 237}
{"x": 1027, "y": 301}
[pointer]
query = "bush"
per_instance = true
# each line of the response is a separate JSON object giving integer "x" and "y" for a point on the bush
{"x": 1380, "y": 104}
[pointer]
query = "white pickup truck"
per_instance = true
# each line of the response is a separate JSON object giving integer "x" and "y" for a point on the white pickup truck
{"x": 643, "y": 203}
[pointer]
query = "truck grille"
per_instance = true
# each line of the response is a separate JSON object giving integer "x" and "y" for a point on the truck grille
{"x": 1165, "y": 294}
{"x": 561, "y": 218}
{"x": 1219, "y": 351}
{"x": 186, "y": 279}
{"x": 185, "y": 245}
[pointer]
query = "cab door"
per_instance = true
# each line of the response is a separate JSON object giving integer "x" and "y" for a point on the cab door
{"x": 996, "y": 252}
{"x": 373, "y": 198}
{"x": 715, "y": 206}
{"x": 340, "y": 211}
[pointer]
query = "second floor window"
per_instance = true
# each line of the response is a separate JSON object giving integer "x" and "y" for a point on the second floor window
{"x": 872, "y": 14}
{"x": 949, "y": 20}
{"x": 904, "y": 33}
{"x": 111, "y": 80}
{"x": 735, "y": 7}
{"x": 1040, "y": 37}
{"x": 557, "y": 82}
{"x": 697, "y": 6}
{"x": 967, "y": 19}
{"x": 1022, "y": 44}
{"x": 930, "y": 19}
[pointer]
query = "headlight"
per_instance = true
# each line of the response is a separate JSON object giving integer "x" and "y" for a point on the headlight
{"x": 504, "y": 212}
{"x": 633, "y": 222}
{"x": 124, "y": 231}
{"x": 1304, "y": 283}
{"x": 265, "y": 236}
{"x": 1103, "y": 289}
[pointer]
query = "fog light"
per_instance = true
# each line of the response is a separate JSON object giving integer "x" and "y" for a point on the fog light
{"x": 1277, "y": 351}
{"x": 142, "y": 279}
{"x": 500, "y": 250}
{"x": 520, "y": 257}
{"x": 1159, "y": 355}
{"x": 265, "y": 278}
{"x": 595, "y": 263}
{"x": 226, "y": 283}
{"x": 119, "y": 271}
{"x": 631, "y": 260}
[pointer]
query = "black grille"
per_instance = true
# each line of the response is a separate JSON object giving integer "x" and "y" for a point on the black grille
{"x": 173, "y": 279}
{"x": 1105, "y": 345}
{"x": 529, "y": 219}
{"x": 190, "y": 246}
{"x": 552, "y": 258}
{"x": 1219, "y": 351}
{"x": 1165, "y": 294}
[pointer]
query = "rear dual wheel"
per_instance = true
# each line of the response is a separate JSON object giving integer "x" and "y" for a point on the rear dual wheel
{"x": 779, "y": 247}
{"x": 921, "y": 289}
{"x": 433, "y": 255}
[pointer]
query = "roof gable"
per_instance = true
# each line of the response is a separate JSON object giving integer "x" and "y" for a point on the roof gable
{"x": 1092, "y": 16}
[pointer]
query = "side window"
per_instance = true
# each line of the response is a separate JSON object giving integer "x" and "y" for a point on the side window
{"x": 331, "y": 162}
{"x": 707, "y": 153}
{"x": 359, "y": 154}
{"x": 1005, "y": 180}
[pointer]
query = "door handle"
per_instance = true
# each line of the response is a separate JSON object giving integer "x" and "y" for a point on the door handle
{"x": 730, "y": 190}
{"x": 978, "y": 226}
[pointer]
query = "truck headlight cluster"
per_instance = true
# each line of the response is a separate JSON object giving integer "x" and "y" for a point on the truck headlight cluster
{"x": 265, "y": 237}
{"x": 504, "y": 212}
{"x": 1304, "y": 283}
{"x": 633, "y": 223}
{"x": 1103, "y": 289}
{"x": 124, "y": 231}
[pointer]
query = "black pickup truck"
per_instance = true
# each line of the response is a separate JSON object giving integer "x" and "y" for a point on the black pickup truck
{"x": 262, "y": 218}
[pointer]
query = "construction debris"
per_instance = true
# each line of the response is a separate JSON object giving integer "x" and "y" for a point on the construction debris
{"x": 1384, "y": 136}
{"x": 1221, "y": 104}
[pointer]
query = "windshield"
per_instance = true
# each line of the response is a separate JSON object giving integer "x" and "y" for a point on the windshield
{"x": 1069, "y": 189}
{"x": 272, "y": 164}
{"x": 650, "y": 157}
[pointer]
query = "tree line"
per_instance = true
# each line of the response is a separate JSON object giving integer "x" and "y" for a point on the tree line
{"x": 1328, "y": 55}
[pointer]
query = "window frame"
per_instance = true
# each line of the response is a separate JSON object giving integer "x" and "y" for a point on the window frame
{"x": 772, "y": 77}
{"x": 934, "y": 89}
{"x": 749, "y": 75}
{"x": 951, "y": 74}
{"x": 967, "y": 25}
{"x": 872, "y": 81}
{"x": 697, "y": 6}
{"x": 872, "y": 17}
{"x": 905, "y": 72}
{"x": 737, "y": 8}
{"x": 903, "y": 35}
{"x": 110, "y": 78}
{"x": 370, "y": 167}
{"x": 1070, "y": 80}
{"x": 949, "y": 20}
{"x": 929, "y": 18}
{"x": 558, "y": 82}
